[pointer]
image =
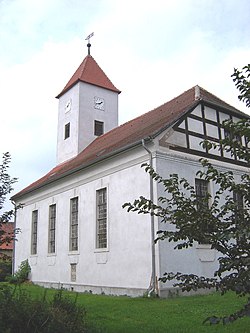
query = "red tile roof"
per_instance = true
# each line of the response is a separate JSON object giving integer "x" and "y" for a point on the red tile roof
{"x": 8, "y": 228}
{"x": 131, "y": 133}
{"x": 90, "y": 72}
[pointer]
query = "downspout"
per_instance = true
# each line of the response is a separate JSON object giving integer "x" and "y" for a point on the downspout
{"x": 152, "y": 287}
{"x": 14, "y": 243}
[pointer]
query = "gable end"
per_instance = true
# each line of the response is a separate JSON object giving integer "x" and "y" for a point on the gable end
{"x": 200, "y": 123}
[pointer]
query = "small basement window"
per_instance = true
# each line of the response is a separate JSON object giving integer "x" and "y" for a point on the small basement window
{"x": 98, "y": 130}
{"x": 66, "y": 131}
{"x": 73, "y": 273}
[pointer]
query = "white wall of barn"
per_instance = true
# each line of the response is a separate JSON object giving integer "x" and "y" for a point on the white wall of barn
{"x": 125, "y": 267}
{"x": 200, "y": 259}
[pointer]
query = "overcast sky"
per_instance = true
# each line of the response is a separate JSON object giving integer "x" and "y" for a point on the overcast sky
{"x": 151, "y": 50}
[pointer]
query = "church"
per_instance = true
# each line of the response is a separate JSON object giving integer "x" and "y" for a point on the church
{"x": 74, "y": 231}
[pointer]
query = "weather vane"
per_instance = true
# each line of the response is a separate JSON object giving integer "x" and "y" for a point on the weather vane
{"x": 89, "y": 45}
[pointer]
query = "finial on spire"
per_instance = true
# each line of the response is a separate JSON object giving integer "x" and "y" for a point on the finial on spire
{"x": 89, "y": 45}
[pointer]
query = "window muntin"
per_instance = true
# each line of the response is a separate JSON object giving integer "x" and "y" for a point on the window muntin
{"x": 52, "y": 229}
{"x": 73, "y": 245}
{"x": 101, "y": 218}
{"x": 34, "y": 232}
{"x": 98, "y": 128}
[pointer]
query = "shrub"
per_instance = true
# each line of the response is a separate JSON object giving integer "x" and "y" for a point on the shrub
{"x": 22, "y": 274}
{"x": 5, "y": 269}
{"x": 20, "y": 313}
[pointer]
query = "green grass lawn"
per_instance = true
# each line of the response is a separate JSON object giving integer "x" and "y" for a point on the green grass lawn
{"x": 177, "y": 315}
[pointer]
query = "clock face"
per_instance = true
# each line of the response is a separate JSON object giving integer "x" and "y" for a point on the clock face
{"x": 99, "y": 103}
{"x": 67, "y": 107}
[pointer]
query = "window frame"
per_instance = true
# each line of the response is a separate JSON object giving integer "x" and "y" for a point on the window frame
{"x": 73, "y": 272}
{"x": 67, "y": 131}
{"x": 98, "y": 127}
{"x": 239, "y": 203}
{"x": 34, "y": 224}
{"x": 201, "y": 194}
{"x": 102, "y": 220}
{"x": 74, "y": 225}
{"x": 204, "y": 190}
{"x": 239, "y": 200}
{"x": 52, "y": 229}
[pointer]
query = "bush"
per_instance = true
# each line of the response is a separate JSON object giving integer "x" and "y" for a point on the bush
{"x": 22, "y": 274}
{"x": 5, "y": 269}
{"x": 20, "y": 313}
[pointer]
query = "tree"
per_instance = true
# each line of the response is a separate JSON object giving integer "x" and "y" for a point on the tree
{"x": 6, "y": 183}
{"x": 223, "y": 221}
{"x": 241, "y": 79}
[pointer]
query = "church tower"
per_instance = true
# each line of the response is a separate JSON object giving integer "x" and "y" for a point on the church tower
{"x": 88, "y": 108}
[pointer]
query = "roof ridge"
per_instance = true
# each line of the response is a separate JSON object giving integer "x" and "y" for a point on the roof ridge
{"x": 158, "y": 107}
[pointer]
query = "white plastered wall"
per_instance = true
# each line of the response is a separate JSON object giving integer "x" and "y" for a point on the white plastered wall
{"x": 81, "y": 115}
{"x": 125, "y": 266}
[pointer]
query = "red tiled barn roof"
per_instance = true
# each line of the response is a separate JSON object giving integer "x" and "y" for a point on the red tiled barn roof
{"x": 8, "y": 228}
{"x": 131, "y": 133}
{"x": 90, "y": 72}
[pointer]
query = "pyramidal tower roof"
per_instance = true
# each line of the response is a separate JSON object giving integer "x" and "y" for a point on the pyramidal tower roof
{"x": 89, "y": 72}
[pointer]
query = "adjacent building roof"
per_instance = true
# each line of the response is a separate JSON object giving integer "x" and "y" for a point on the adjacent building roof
{"x": 90, "y": 72}
{"x": 8, "y": 228}
{"x": 131, "y": 133}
